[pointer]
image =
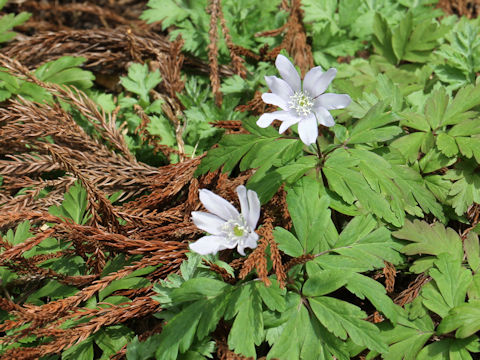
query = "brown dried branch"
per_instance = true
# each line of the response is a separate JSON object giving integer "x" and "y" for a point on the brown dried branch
{"x": 97, "y": 202}
{"x": 237, "y": 61}
{"x": 411, "y": 292}
{"x": 104, "y": 49}
{"x": 257, "y": 259}
{"x": 390, "y": 273}
{"x": 170, "y": 69}
{"x": 90, "y": 9}
{"x": 65, "y": 338}
{"x": 298, "y": 260}
{"x": 213, "y": 9}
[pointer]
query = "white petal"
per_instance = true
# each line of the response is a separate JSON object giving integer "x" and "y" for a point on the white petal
{"x": 250, "y": 242}
{"x": 242, "y": 196}
{"x": 324, "y": 117}
{"x": 254, "y": 209}
{"x": 279, "y": 87}
{"x": 250, "y": 205}
{"x": 308, "y": 130}
{"x": 288, "y": 72}
{"x": 208, "y": 222}
{"x": 218, "y": 205}
{"x": 287, "y": 123}
{"x": 273, "y": 99}
{"x": 331, "y": 101}
{"x": 209, "y": 245}
{"x": 267, "y": 118}
{"x": 316, "y": 81}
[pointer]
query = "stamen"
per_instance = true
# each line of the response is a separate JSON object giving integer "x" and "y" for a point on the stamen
{"x": 236, "y": 231}
{"x": 302, "y": 103}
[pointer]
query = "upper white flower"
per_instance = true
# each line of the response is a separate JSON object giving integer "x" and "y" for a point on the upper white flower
{"x": 307, "y": 106}
{"x": 228, "y": 228}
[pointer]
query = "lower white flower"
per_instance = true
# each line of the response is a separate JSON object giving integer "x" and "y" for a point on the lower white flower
{"x": 228, "y": 227}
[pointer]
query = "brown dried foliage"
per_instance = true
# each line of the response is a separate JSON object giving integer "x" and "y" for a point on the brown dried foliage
{"x": 468, "y": 8}
{"x": 213, "y": 10}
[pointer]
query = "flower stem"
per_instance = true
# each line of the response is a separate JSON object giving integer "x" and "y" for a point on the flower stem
{"x": 319, "y": 152}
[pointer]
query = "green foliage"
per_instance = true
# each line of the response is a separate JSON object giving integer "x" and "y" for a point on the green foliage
{"x": 409, "y": 40}
{"x": 441, "y": 255}
{"x": 74, "y": 205}
{"x": 9, "y": 21}
{"x": 65, "y": 71}
{"x": 195, "y": 301}
{"x": 461, "y": 55}
{"x": 140, "y": 81}
{"x": 192, "y": 22}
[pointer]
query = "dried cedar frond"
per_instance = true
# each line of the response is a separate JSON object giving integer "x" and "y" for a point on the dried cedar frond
{"x": 104, "y": 49}
{"x": 411, "y": 292}
{"x": 213, "y": 10}
{"x": 390, "y": 273}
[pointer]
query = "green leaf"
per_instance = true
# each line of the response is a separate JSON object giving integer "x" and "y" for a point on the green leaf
{"x": 360, "y": 174}
{"x": 140, "y": 81}
{"x": 435, "y": 160}
{"x": 178, "y": 334}
{"x": 472, "y": 250}
{"x": 371, "y": 128}
{"x": 466, "y": 188}
{"x": 430, "y": 239}
{"x": 232, "y": 148}
{"x": 198, "y": 288}
{"x": 66, "y": 71}
{"x": 405, "y": 339}
{"x": 125, "y": 283}
{"x": 466, "y": 98}
{"x": 469, "y": 147}
{"x": 73, "y": 206}
{"x": 248, "y": 316}
{"x": 325, "y": 282}
{"x": 342, "y": 318}
{"x": 142, "y": 350}
{"x": 166, "y": 11}
{"x": 309, "y": 213}
{"x": 465, "y": 319}
{"x": 474, "y": 288}
{"x": 400, "y": 37}
{"x": 81, "y": 351}
{"x": 287, "y": 242}
{"x": 456, "y": 349}
{"x": 361, "y": 249}
{"x": 9, "y": 21}
{"x": 365, "y": 287}
{"x": 383, "y": 38}
{"x": 435, "y": 108}
{"x": 22, "y": 233}
{"x": 272, "y": 296}
{"x": 415, "y": 190}
{"x": 112, "y": 338}
{"x": 303, "y": 337}
{"x": 450, "y": 285}
{"x": 447, "y": 145}
{"x": 409, "y": 145}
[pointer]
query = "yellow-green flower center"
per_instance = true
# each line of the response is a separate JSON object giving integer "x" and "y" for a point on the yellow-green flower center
{"x": 238, "y": 230}
{"x": 301, "y": 102}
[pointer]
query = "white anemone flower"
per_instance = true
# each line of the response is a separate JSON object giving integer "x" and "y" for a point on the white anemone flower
{"x": 227, "y": 227}
{"x": 308, "y": 105}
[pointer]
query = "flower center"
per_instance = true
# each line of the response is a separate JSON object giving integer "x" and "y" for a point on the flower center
{"x": 301, "y": 102}
{"x": 236, "y": 230}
